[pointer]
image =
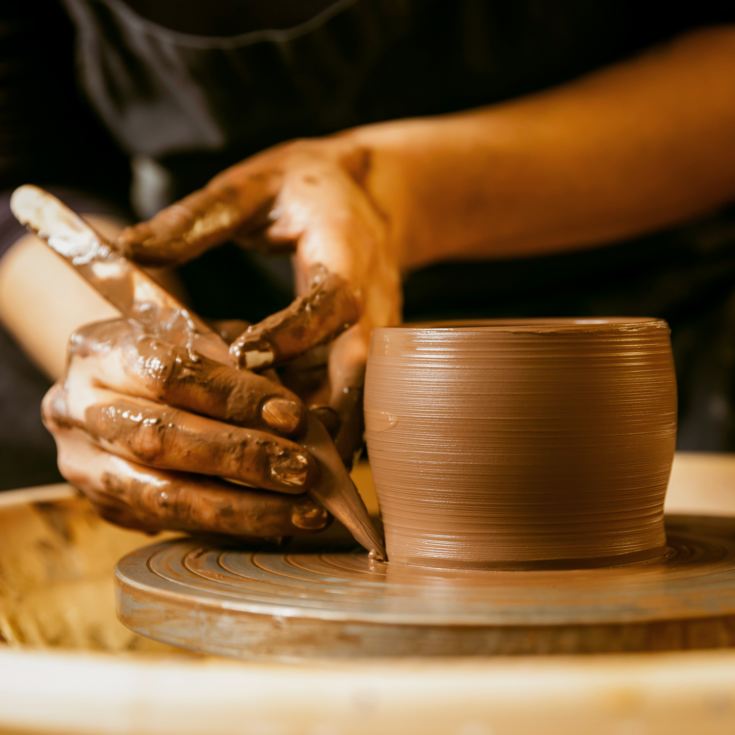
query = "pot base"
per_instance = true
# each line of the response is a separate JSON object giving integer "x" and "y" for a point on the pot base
{"x": 306, "y": 604}
{"x": 618, "y": 560}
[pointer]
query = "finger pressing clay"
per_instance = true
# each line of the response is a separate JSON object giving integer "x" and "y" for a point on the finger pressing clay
{"x": 330, "y": 307}
{"x": 168, "y": 438}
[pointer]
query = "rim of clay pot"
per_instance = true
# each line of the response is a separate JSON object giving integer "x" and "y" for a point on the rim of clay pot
{"x": 542, "y": 325}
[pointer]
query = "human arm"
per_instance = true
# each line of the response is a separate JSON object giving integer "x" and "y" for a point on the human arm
{"x": 636, "y": 146}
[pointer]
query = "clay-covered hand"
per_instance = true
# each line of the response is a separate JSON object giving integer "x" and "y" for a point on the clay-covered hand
{"x": 147, "y": 431}
{"x": 310, "y": 197}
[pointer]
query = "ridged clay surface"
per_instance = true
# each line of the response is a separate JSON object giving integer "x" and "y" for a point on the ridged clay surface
{"x": 522, "y": 443}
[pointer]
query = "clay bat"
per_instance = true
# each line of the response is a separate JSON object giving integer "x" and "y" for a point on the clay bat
{"x": 138, "y": 296}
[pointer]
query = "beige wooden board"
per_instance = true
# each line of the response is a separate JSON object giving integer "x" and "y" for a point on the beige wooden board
{"x": 634, "y": 694}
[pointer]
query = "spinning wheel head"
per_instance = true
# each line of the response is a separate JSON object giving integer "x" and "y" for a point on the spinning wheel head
{"x": 301, "y": 604}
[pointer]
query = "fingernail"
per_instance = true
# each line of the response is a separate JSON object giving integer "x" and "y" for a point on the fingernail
{"x": 291, "y": 469}
{"x": 282, "y": 414}
{"x": 309, "y": 516}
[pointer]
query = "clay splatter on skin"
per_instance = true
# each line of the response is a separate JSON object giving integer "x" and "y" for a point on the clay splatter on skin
{"x": 328, "y": 309}
{"x": 153, "y": 368}
{"x": 521, "y": 442}
{"x": 169, "y": 439}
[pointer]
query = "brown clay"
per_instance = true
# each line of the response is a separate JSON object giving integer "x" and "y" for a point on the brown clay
{"x": 522, "y": 442}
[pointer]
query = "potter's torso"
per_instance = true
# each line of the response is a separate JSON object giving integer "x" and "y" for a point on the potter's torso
{"x": 189, "y": 87}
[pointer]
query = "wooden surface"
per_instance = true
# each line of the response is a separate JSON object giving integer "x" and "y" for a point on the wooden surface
{"x": 56, "y": 560}
{"x": 663, "y": 694}
{"x": 69, "y": 667}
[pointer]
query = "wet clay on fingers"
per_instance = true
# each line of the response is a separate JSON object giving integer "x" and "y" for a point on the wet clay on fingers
{"x": 522, "y": 443}
{"x": 142, "y": 300}
{"x": 325, "y": 311}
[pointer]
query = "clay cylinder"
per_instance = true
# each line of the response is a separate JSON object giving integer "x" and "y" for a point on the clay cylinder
{"x": 522, "y": 443}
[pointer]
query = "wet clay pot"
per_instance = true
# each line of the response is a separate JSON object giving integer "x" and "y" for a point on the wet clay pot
{"x": 522, "y": 443}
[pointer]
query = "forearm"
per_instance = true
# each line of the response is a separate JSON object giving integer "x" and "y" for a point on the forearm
{"x": 637, "y": 146}
{"x": 42, "y": 301}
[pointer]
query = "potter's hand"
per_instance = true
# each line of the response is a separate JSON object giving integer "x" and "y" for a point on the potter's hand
{"x": 307, "y": 196}
{"x": 146, "y": 431}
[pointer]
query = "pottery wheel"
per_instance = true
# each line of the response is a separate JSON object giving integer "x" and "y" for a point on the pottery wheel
{"x": 301, "y": 603}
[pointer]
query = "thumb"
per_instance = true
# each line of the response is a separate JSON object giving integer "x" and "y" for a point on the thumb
{"x": 232, "y": 202}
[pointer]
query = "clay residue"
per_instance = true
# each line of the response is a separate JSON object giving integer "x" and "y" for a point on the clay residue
{"x": 329, "y": 308}
{"x": 524, "y": 443}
